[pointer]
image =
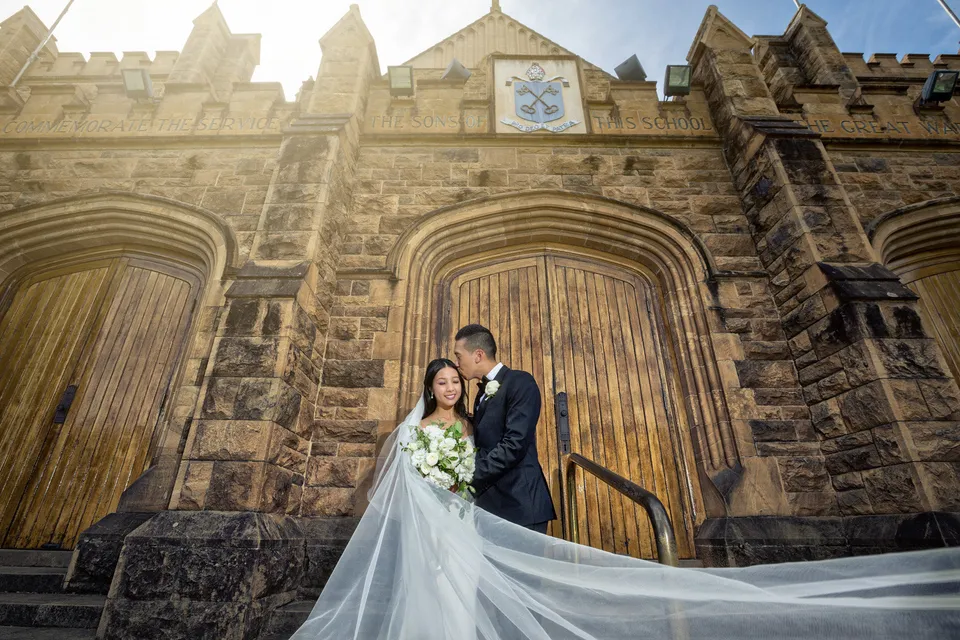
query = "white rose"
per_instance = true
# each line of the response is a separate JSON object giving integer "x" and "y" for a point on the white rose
{"x": 434, "y": 445}
{"x": 491, "y": 389}
{"x": 448, "y": 444}
{"x": 419, "y": 457}
{"x": 432, "y": 459}
{"x": 425, "y": 470}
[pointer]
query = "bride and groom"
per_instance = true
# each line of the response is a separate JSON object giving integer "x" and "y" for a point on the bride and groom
{"x": 425, "y": 564}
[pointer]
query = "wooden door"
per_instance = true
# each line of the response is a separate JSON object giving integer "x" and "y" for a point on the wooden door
{"x": 595, "y": 333}
{"x": 940, "y": 303}
{"x": 512, "y": 301}
{"x": 133, "y": 337}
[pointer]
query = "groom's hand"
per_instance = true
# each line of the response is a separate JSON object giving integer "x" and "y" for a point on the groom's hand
{"x": 523, "y": 412}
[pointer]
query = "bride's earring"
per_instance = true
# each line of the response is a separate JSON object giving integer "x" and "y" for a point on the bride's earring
{"x": 429, "y": 395}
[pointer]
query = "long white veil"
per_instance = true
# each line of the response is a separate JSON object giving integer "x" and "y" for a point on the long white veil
{"x": 425, "y": 565}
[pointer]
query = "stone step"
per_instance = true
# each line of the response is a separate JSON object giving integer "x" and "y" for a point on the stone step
{"x": 51, "y": 610}
{"x": 39, "y": 633}
{"x": 31, "y": 579}
{"x": 34, "y": 558}
{"x": 288, "y": 618}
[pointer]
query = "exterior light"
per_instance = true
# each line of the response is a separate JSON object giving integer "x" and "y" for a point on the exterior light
{"x": 456, "y": 71}
{"x": 630, "y": 70}
{"x": 401, "y": 81}
{"x": 677, "y": 80}
{"x": 137, "y": 83}
{"x": 939, "y": 86}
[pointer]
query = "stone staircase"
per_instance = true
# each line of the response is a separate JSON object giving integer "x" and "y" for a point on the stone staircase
{"x": 287, "y": 619}
{"x": 33, "y": 605}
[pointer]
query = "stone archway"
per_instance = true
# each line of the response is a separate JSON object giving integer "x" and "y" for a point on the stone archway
{"x": 98, "y": 299}
{"x": 921, "y": 244}
{"x": 629, "y": 244}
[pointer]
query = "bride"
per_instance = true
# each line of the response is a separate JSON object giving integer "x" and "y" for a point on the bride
{"x": 426, "y": 565}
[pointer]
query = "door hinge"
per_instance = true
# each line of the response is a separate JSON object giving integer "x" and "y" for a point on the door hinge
{"x": 65, "y": 401}
{"x": 563, "y": 423}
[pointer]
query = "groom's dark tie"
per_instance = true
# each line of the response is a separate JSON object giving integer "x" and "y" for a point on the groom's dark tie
{"x": 482, "y": 385}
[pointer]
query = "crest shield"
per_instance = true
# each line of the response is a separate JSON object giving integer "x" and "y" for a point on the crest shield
{"x": 539, "y": 102}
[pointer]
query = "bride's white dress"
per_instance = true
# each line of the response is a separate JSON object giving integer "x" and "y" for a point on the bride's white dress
{"x": 426, "y": 565}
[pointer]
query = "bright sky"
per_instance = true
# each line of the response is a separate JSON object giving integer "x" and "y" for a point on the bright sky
{"x": 605, "y": 32}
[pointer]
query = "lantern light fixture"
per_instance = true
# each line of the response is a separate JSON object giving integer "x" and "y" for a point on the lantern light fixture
{"x": 401, "y": 81}
{"x": 677, "y": 80}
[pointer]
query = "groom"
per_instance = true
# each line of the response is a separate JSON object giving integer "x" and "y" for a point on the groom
{"x": 508, "y": 479}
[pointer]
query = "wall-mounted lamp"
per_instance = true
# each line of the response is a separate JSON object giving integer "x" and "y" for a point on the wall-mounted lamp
{"x": 939, "y": 86}
{"x": 136, "y": 82}
{"x": 677, "y": 80}
{"x": 401, "y": 81}
{"x": 456, "y": 71}
{"x": 630, "y": 70}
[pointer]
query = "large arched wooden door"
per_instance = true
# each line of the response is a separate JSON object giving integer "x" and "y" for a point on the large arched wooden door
{"x": 113, "y": 331}
{"x": 940, "y": 302}
{"x": 594, "y": 332}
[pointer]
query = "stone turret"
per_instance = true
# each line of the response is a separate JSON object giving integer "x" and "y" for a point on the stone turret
{"x": 214, "y": 56}
{"x": 805, "y": 54}
{"x": 349, "y": 64}
{"x": 19, "y": 36}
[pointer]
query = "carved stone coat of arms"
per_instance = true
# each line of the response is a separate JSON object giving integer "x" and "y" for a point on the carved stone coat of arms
{"x": 538, "y": 101}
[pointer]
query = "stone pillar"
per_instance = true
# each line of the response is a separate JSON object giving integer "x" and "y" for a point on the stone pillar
{"x": 19, "y": 36}
{"x": 205, "y": 49}
{"x": 818, "y": 55}
{"x": 251, "y": 443}
{"x": 871, "y": 375}
{"x": 242, "y": 57}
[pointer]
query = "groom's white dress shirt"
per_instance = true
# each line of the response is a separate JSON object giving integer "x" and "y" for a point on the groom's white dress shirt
{"x": 490, "y": 377}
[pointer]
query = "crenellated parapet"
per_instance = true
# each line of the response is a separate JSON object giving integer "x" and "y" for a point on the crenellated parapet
{"x": 205, "y": 90}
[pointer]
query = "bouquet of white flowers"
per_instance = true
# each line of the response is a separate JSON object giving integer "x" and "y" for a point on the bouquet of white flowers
{"x": 444, "y": 457}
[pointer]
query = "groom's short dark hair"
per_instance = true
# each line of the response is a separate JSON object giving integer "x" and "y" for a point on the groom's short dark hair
{"x": 478, "y": 337}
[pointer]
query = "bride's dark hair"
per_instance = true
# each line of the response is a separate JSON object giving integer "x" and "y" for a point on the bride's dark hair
{"x": 430, "y": 400}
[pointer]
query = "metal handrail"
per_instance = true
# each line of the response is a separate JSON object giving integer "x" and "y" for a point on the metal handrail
{"x": 662, "y": 529}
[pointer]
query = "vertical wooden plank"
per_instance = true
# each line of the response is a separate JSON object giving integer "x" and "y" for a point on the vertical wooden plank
{"x": 636, "y": 445}
{"x": 116, "y": 429}
{"x": 63, "y": 469}
{"x": 514, "y": 342}
{"x": 106, "y": 443}
{"x": 483, "y": 317}
{"x": 565, "y": 372}
{"x": 503, "y": 331}
{"x": 608, "y": 371}
{"x": 54, "y": 333}
{"x": 542, "y": 371}
{"x": 137, "y": 417}
{"x": 665, "y": 464}
{"x": 610, "y": 512}
{"x": 586, "y": 402}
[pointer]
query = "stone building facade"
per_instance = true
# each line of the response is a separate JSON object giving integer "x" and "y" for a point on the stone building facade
{"x": 751, "y": 297}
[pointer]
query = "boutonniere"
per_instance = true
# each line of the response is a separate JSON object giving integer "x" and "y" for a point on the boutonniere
{"x": 491, "y": 389}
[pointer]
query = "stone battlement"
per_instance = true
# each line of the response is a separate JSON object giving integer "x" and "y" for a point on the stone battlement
{"x": 76, "y": 67}
{"x": 912, "y": 66}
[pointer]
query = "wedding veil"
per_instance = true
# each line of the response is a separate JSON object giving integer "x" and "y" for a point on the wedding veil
{"x": 425, "y": 565}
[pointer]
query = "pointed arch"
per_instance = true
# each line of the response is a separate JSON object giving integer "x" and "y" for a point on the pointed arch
{"x": 659, "y": 249}
{"x": 919, "y": 240}
{"x": 101, "y": 221}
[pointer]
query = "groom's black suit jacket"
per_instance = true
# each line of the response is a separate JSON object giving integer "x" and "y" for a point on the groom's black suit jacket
{"x": 508, "y": 478}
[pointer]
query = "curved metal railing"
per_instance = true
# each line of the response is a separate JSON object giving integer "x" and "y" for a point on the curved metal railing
{"x": 662, "y": 529}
